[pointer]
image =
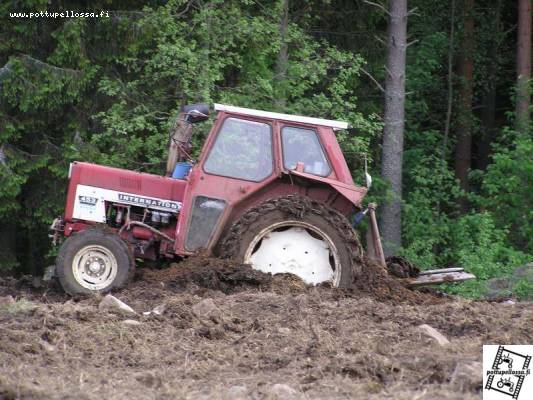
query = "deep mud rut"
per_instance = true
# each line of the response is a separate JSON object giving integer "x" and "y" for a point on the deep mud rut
{"x": 252, "y": 337}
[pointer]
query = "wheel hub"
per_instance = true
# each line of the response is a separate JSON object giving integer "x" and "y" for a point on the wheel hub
{"x": 301, "y": 250}
{"x": 94, "y": 267}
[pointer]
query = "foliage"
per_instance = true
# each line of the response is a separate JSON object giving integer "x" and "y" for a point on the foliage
{"x": 507, "y": 189}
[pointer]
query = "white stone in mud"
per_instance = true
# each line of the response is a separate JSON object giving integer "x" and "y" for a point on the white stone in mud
{"x": 435, "y": 334}
{"x": 159, "y": 310}
{"x": 131, "y": 322}
{"x": 283, "y": 391}
{"x": 112, "y": 304}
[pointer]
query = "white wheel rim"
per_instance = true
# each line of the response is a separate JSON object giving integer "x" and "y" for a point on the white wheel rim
{"x": 298, "y": 248}
{"x": 94, "y": 267}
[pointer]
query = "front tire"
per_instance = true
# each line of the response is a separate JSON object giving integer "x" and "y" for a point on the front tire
{"x": 297, "y": 235}
{"x": 92, "y": 261}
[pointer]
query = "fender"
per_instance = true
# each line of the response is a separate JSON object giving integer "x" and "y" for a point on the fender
{"x": 354, "y": 194}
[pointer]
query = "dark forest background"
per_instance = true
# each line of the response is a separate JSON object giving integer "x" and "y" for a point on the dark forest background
{"x": 107, "y": 90}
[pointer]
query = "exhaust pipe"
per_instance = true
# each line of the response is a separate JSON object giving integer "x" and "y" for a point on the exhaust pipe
{"x": 181, "y": 133}
{"x": 180, "y": 137}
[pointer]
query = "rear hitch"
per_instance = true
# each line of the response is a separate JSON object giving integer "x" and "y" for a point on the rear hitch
{"x": 373, "y": 240}
{"x": 409, "y": 274}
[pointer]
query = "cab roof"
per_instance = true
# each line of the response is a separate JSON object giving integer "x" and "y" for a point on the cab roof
{"x": 336, "y": 125}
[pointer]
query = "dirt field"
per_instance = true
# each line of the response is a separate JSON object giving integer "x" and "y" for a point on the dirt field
{"x": 228, "y": 332}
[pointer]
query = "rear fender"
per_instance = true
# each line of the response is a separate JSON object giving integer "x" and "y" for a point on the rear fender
{"x": 286, "y": 185}
{"x": 354, "y": 194}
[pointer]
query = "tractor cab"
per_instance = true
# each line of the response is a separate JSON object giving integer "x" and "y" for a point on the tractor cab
{"x": 251, "y": 156}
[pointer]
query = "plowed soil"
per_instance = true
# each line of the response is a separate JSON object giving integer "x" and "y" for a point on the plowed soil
{"x": 228, "y": 332}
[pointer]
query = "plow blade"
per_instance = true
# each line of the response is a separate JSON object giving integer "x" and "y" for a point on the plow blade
{"x": 436, "y": 276}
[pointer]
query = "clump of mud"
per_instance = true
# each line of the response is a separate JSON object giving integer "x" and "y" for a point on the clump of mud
{"x": 208, "y": 273}
{"x": 375, "y": 281}
{"x": 402, "y": 268}
{"x": 202, "y": 273}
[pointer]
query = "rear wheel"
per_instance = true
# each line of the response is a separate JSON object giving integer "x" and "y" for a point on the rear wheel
{"x": 94, "y": 260}
{"x": 298, "y": 235}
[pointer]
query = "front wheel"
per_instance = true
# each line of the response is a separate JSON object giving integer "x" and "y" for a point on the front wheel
{"x": 297, "y": 235}
{"x": 94, "y": 260}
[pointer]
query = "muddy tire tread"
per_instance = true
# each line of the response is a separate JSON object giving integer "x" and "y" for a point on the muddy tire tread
{"x": 295, "y": 207}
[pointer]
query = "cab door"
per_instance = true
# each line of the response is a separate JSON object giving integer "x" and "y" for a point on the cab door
{"x": 237, "y": 160}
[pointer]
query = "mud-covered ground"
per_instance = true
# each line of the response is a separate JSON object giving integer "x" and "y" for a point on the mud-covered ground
{"x": 228, "y": 332}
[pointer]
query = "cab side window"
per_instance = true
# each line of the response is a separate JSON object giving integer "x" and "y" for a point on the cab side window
{"x": 302, "y": 145}
{"x": 242, "y": 150}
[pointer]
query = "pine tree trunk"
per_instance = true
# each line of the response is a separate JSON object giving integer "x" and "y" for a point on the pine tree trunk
{"x": 283, "y": 58}
{"x": 391, "y": 166}
{"x": 463, "y": 149}
{"x": 523, "y": 64}
{"x": 488, "y": 114}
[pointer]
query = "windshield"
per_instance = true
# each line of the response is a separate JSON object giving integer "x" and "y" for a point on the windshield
{"x": 242, "y": 150}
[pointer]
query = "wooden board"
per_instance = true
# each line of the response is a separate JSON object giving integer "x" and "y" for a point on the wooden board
{"x": 440, "y": 271}
{"x": 436, "y": 278}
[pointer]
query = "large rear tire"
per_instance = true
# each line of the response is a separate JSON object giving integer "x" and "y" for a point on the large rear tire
{"x": 298, "y": 235}
{"x": 94, "y": 260}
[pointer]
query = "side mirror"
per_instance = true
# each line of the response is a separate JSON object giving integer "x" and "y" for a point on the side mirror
{"x": 196, "y": 112}
{"x": 196, "y": 116}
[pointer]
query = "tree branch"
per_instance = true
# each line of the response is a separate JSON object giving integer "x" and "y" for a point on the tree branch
{"x": 380, "y": 40}
{"x": 412, "y": 11}
{"x": 185, "y": 11}
{"x": 411, "y": 42}
{"x": 378, "y": 6}
{"x": 373, "y": 79}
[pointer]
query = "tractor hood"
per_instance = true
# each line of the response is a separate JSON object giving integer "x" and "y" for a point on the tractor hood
{"x": 91, "y": 185}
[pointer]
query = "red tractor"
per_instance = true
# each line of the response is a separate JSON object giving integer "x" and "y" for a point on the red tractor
{"x": 271, "y": 190}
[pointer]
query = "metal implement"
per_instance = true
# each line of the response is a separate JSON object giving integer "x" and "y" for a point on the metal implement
{"x": 423, "y": 278}
{"x": 373, "y": 239}
{"x": 437, "y": 276}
